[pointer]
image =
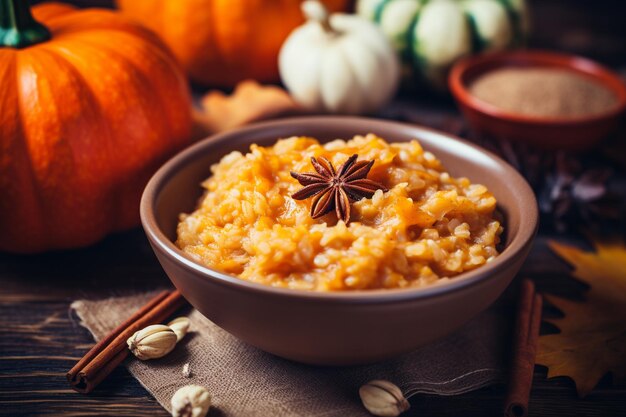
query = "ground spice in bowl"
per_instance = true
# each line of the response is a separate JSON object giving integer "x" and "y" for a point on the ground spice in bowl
{"x": 544, "y": 92}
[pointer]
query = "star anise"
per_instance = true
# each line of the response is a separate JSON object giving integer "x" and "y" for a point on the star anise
{"x": 336, "y": 189}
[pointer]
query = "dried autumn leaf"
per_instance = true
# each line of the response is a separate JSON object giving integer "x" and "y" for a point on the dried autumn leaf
{"x": 249, "y": 102}
{"x": 592, "y": 341}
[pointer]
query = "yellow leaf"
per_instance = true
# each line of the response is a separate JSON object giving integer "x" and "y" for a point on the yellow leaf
{"x": 592, "y": 340}
{"x": 249, "y": 102}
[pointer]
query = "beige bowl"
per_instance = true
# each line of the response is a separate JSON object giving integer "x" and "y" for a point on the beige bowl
{"x": 336, "y": 328}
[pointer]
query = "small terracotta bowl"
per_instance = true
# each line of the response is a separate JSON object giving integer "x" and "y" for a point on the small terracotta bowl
{"x": 546, "y": 132}
{"x": 340, "y": 328}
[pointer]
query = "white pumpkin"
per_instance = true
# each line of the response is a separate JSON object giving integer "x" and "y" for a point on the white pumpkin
{"x": 442, "y": 35}
{"x": 490, "y": 20}
{"x": 339, "y": 63}
{"x": 430, "y": 35}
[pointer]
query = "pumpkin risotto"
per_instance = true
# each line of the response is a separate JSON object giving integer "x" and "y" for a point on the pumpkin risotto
{"x": 428, "y": 226}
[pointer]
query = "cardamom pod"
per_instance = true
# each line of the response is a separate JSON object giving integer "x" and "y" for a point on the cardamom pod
{"x": 191, "y": 401}
{"x": 180, "y": 325}
{"x": 152, "y": 342}
{"x": 382, "y": 398}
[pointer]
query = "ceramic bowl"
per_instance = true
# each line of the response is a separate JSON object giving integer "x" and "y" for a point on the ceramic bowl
{"x": 336, "y": 328}
{"x": 552, "y": 133}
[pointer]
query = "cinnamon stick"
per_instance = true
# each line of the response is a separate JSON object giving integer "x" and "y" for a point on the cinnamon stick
{"x": 111, "y": 351}
{"x": 524, "y": 351}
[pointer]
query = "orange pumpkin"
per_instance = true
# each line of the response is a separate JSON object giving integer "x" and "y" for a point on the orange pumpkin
{"x": 91, "y": 104}
{"x": 221, "y": 42}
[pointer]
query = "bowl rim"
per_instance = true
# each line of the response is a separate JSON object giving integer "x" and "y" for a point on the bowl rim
{"x": 536, "y": 58}
{"x": 519, "y": 243}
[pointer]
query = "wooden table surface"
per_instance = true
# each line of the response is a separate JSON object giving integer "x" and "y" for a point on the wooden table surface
{"x": 40, "y": 339}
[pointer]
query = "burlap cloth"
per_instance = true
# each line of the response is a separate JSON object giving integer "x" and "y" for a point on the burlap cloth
{"x": 247, "y": 382}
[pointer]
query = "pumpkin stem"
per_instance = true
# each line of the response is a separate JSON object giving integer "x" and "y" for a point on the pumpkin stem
{"x": 18, "y": 28}
{"x": 315, "y": 10}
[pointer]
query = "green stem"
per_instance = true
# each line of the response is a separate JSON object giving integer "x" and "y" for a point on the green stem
{"x": 18, "y": 28}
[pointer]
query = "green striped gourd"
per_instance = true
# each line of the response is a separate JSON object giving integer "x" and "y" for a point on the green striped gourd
{"x": 430, "y": 35}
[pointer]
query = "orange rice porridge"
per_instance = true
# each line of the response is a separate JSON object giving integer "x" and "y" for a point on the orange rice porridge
{"x": 427, "y": 227}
